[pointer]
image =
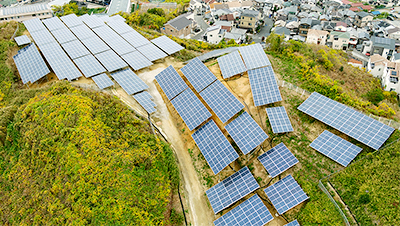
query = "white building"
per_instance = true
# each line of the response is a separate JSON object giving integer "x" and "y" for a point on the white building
{"x": 390, "y": 77}
{"x": 316, "y": 37}
{"x": 214, "y": 34}
{"x": 376, "y": 65}
{"x": 26, "y": 12}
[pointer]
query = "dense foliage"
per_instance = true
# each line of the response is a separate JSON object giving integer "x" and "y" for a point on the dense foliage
{"x": 72, "y": 8}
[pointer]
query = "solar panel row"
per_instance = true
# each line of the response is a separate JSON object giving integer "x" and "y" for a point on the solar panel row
{"x": 279, "y": 120}
{"x": 75, "y": 49}
{"x": 135, "y": 39}
{"x": 231, "y": 64}
{"x": 53, "y": 23}
{"x": 136, "y": 60}
{"x": 34, "y": 25}
{"x": 277, "y": 160}
{"x": 102, "y": 81}
{"x": 144, "y": 99}
{"x": 42, "y": 37}
{"x": 120, "y": 26}
{"x": 167, "y": 45}
{"x": 151, "y": 52}
{"x": 293, "y": 223}
{"x": 110, "y": 60}
{"x": 129, "y": 81}
{"x": 89, "y": 66}
{"x": 264, "y": 87}
{"x": 63, "y": 35}
{"x": 198, "y": 74}
{"x": 71, "y": 20}
{"x": 254, "y": 56}
{"x": 171, "y": 82}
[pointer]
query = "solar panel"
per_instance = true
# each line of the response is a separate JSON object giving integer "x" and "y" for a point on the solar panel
{"x": 63, "y": 35}
{"x": 198, "y": 74}
{"x": 348, "y": 121}
{"x": 42, "y": 37}
{"x": 144, "y": 99}
{"x": 335, "y": 148}
{"x": 53, "y": 23}
{"x": 151, "y": 52}
{"x": 231, "y": 64}
{"x": 254, "y": 56}
{"x": 34, "y": 25}
{"x": 191, "y": 109}
{"x": 136, "y": 60}
{"x": 293, "y": 223}
{"x": 111, "y": 60}
{"x": 102, "y": 81}
{"x": 106, "y": 33}
{"x": 246, "y": 133}
{"x": 279, "y": 120}
{"x": 82, "y": 32}
{"x": 232, "y": 189}
{"x": 22, "y": 40}
{"x": 120, "y": 26}
{"x": 71, "y": 20}
{"x": 264, "y": 87}
{"x": 92, "y": 21}
{"x": 171, "y": 82}
{"x": 250, "y": 212}
{"x": 167, "y": 45}
{"x": 129, "y": 81}
{"x": 30, "y": 64}
{"x": 95, "y": 45}
{"x": 120, "y": 46}
{"x": 277, "y": 160}
{"x": 135, "y": 39}
{"x": 285, "y": 194}
{"x": 224, "y": 104}
{"x": 75, "y": 49}
{"x": 89, "y": 66}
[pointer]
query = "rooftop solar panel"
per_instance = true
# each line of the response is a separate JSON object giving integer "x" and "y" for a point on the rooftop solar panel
{"x": 135, "y": 38}
{"x": 250, "y": 212}
{"x": 231, "y": 64}
{"x": 246, "y": 133}
{"x": 224, "y": 104}
{"x": 198, "y": 74}
{"x": 335, "y": 148}
{"x": 254, "y": 56}
{"x": 63, "y": 35}
{"x": 232, "y": 189}
{"x": 71, "y": 20}
{"x": 120, "y": 26}
{"x": 82, "y": 32}
{"x": 293, "y": 223}
{"x": 144, "y": 99}
{"x": 277, "y": 160}
{"x": 53, "y": 23}
{"x": 348, "y": 121}
{"x": 102, "y": 81}
{"x": 30, "y": 64}
{"x": 129, "y": 81}
{"x": 111, "y": 60}
{"x": 285, "y": 194}
{"x": 22, "y": 40}
{"x": 136, "y": 60}
{"x": 191, "y": 109}
{"x": 214, "y": 146}
{"x": 92, "y": 21}
{"x": 151, "y": 52}
{"x": 95, "y": 45}
{"x": 42, "y": 37}
{"x": 264, "y": 87}
{"x": 75, "y": 49}
{"x": 89, "y": 66}
{"x": 167, "y": 45}
{"x": 171, "y": 82}
{"x": 34, "y": 25}
{"x": 279, "y": 120}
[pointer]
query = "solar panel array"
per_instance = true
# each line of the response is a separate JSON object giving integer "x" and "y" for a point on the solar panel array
{"x": 120, "y": 26}
{"x": 293, "y": 223}
{"x": 277, "y": 160}
{"x": 95, "y": 45}
{"x": 115, "y": 41}
{"x": 348, "y": 121}
{"x": 231, "y": 64}
{"x": 171, "y": 82}
{"x": 63, "y": 35}
{"x": 102, "y": 81}
{"x": 135, "y": 39}
{"x": 42, "y": 37}
{"x": 34, "y": 25}
{"x": 214, "y": 146}
{"x": 92, "y": 21}
{"x": 111, "y": 60}
{"x": 22, "y": 40}
{"x": 167, "y": 45}
{"x": 198, "y": 74}
{"x": 30, "y": 64}
{"x": 264, "y": 86}
{"x": 71, "y": 20}
{"x": 144, "y": 99}
{"x": 250, "y": 212}
{"x": 246, "y": 133}
{"x": 335, "y": 148}
{"x": 224, "y": 104}
{"x": 285, "y": 194}
{"x": 151, "y": 52}
{"x": 232, "y": 189}
{"x": 89, "y": 66}
{"x": 82, "y": 32}
{"x": 136, "y": 60}
{"x": 129, "y": 81}
{"x": 191, "y": 109}
{"x": 75, "y": 49}
{"x": 53, "y": 23}
{"x": 254, "y": 56}
{"x": 279, "y": 120}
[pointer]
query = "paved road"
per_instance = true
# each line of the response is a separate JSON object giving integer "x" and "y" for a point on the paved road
{"x": 268, "y": 24}
{"x": 203, "y": 26}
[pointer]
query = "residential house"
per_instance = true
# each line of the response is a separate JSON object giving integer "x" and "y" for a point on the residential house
{"x": 237, "y": 34}
{"x": 246, "y": 4}
{"x": 353, "y": 41}
{"x": 283, "y": 31}
{"x": 179, "y": 27}
{"x": 196, "y": 5}
{"x": 328, "y": 25}
{"x": 390, "y": 77}
{"x": 362, "y": 19}
{"x": 316, "y": 37}
{"x": 306, "y": 24}
{"x": 393, "y": 33}
{"x": 214, "y": 34}
{"x": 338, "y": 40}
{"x": 249, "y": 20}
{"x": 383, "y": 46}
{"x": 376, "y": 65}
{"x": 355, "y": 63}
{"x": 340, "y": 26}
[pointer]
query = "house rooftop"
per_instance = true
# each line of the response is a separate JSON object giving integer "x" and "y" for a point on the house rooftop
{"x": 250, "y": 13}
{"x": 317, "y": 32}
{"x": 180, "y": 22}
{"x": 386, "y": 43}
{"x": 363, "y": 14}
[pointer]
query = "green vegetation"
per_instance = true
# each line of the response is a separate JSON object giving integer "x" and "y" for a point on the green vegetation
{"x": 72, "y": 8}
{"x": 383, "y": 15}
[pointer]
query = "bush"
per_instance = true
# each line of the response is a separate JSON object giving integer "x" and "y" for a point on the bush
{"x": 375, "y": 96}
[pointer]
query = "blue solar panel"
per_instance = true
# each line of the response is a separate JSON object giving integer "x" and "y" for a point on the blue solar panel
{"x": 191, "y": 109}
{"x": 348, "y": 121}
{"x": 254, "y": 56}
{"x": 151, "y": 52}
{"x": 129, "y": 81}
{"x": 42, "y": 37}
{"x": 102, "y": 81}
{"x": 75, "y": 49}
{"x": 136, "y": 60}
{"x": 115, "y": 41}
{"x": 110, "y": 60}
{"x": 22, "y": 40}
{"x": 144, "y": 99}
{"x": 231, "y": 65}
{"x": 53, "y": 23}
{"x": 293, "y": 223}
{"x": 221, "y": 101}
{"x": 34, "y": 25}
{"x": 92, "y": 21}
{"x": 71, "y": 20}
{"x": 277, "y": 160}
{"x": 335, "y": 148}
{"x": 198, "y": 74}
{"x": 285, "y": 194}
{"x": 279, "y": 120}
{"x": 167, "y": 45}
{"x": 246, "y": 133}
{"x": 89, "y": 66}
{"x": 232, "y": 189}
{"x": 95, "y": 45}
{"x": 63, "y": 35}
{"x": 214, "y": 146}
{"x": 82, "y": 32}
{"x": 120, "y": 26}
{"x": 135, "y": 38}
{"x": 171, "y": 82}
{"x": 250, "y": 212}
{"x": 264, "y": 86}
